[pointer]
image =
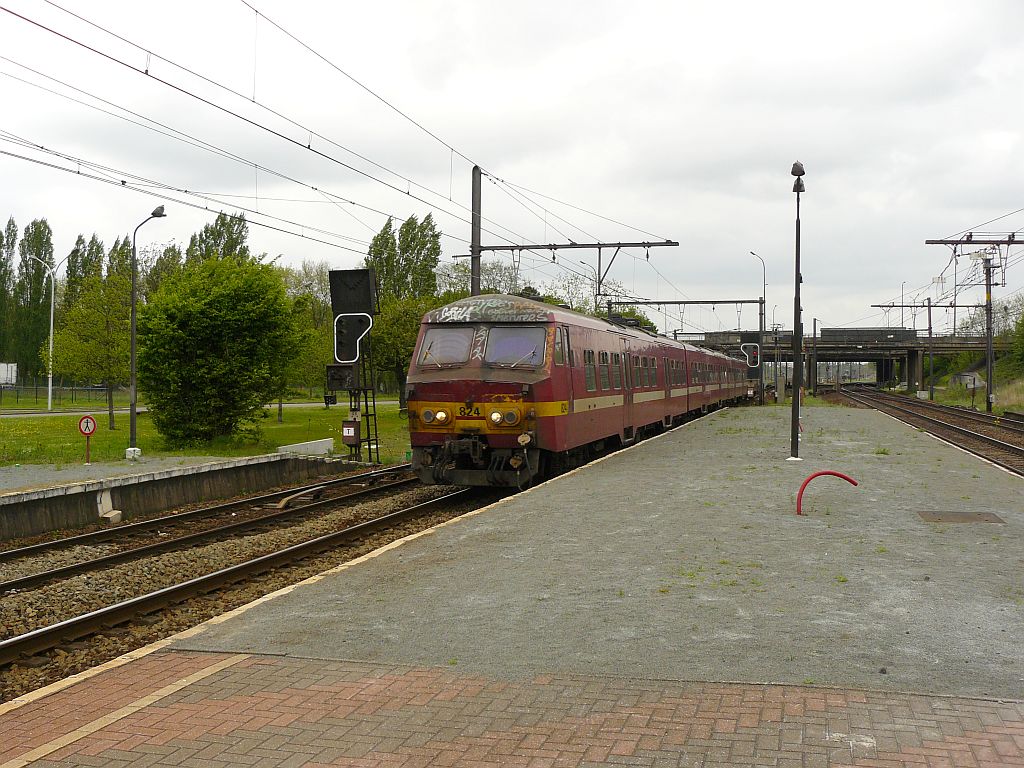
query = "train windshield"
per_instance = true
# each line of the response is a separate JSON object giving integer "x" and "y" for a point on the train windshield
{"x": 515, "y": 346}
{"x": 446, "y": 346}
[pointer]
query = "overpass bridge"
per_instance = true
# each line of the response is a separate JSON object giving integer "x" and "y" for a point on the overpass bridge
{"x": 898, "y": 353}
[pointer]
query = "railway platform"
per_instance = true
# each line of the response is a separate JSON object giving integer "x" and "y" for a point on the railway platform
{"x": 664, "y": 606}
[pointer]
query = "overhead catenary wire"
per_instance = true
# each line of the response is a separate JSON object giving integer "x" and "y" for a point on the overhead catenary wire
{"x": 168, "y": 198}
{"x": 252, "y": 122}
{"x": 452, "y": 149}
{"x": 168, "y": 131}
{"x": 305, "y": 129}
{"x": 236, "y": 115}
{"x": 271, "y": 130}
{"x": 210, "y": 81}
{"x": 144, "y": 182}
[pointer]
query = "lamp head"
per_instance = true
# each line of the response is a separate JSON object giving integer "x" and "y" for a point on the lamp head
{"x": 158, "y": 212}
{"x": 798, "y": 185}
{"x": 798, "y": 169}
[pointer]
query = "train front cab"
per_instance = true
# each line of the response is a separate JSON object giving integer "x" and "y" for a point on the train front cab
{"x": 475, "y": 395}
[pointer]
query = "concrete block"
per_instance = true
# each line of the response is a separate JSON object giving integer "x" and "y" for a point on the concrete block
{"x": 133, "y": 454}
{"x": 113, "y": 517}
{"x": 311, "y": 448}
{"x": 103, "y": 502}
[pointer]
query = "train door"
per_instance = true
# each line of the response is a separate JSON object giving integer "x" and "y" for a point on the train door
{"x": 564, "y": 357}
{"x": 626, "y": 375}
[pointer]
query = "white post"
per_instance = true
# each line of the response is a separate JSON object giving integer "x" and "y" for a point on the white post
{"x": 49, "y": 364}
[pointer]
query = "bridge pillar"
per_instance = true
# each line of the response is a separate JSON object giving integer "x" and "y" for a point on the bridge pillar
{"x": 915, "y": 370}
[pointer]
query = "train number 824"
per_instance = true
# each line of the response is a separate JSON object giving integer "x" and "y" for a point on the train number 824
{"x": 464, "y": 411}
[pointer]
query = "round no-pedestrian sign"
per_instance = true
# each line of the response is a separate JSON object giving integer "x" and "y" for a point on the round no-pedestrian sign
{"x": 87, "y": 425}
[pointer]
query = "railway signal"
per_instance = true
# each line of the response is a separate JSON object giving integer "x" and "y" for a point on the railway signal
{"x": 752, "y": 353}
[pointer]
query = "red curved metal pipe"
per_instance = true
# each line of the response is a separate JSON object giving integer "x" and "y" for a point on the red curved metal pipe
{"x": 800, "y": 493}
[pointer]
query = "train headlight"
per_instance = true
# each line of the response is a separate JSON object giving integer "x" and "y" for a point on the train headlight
{"x": 496, "y": 418}
{"x": 427, "y": 415}
{"x": 441, "y": 417}
{"x": 511, "y": 417}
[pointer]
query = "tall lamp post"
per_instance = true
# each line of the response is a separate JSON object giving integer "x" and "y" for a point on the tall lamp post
{"x": 52, "y": 271}
{"x": 760, "y": 330}
{"x": 798, "y": 331}
{"x": 597, "y": 296}
{"x": 133, "y": 452}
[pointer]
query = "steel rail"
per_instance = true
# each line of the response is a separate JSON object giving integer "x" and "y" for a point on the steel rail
{"x": 180, "y": 542}
{"x": 1003, "y": 422}
{"x": 69, "y": 630}
{"x": 131, "y": 528}
{"x": 1009, "y": 447}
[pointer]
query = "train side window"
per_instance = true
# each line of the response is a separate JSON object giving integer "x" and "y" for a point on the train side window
{"x": 559, "y": 346}
{"x": 589, "y": 370}
{"x": 616, "y": 371}
{"x": 636, "y": 372}
{"x": 644, "y": 372}
{"x": 602, "y": 360}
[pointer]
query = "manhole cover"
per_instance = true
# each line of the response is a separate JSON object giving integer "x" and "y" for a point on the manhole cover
{"x": 960, "y": 517}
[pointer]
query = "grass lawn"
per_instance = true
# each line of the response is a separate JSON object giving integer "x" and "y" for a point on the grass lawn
{"x": 56, "y": 439}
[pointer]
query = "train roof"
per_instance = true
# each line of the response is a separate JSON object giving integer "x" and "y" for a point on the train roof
{"x": 499, "y": 308}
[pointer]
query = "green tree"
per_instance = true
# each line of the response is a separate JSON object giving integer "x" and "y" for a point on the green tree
{"x": 92, "y": 342}
{"x": 213, "y": 341}
{"x": 8, "y": 242}
{"x": 405, "y": 269}
{"x": 496, "y": 276}
{"x": 394, "y": 336}
{"x": 225, "y": 238}
{"x": 85, "y": 260}
{"x": 160, "y": 267}
{"x": 31, "y": 297}
{"x": 119, "y": 260}
{"x": 404, "y": 264}
{"x": 308, "y": 287}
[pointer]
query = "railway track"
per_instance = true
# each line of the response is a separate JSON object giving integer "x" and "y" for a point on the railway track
{"x": 1010, "y": 426}
{"x": 165, "y": 525}
{"x": 133, "y": 617}
{"x": 167, "y": 542}
{"x": 996, "y": 439}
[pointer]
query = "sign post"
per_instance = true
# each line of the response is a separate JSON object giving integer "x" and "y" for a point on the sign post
{"x": 87, "y": 425}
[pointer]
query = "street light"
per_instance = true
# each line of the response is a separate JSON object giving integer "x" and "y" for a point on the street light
{"x": 798, "y": 331}
{"x": 133, "y": 452}
{"x": 53, "y": 292}
{"x": 760, "y": 328}
{"x": 596, "y": 294}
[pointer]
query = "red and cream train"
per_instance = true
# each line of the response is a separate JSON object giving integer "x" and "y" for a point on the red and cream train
{"x": 503, "y": 390}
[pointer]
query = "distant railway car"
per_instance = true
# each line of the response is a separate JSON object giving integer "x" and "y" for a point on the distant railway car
{"x": 503, "y": 390}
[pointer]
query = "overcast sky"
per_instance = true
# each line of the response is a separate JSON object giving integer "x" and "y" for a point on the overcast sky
{"x": 677, "y": 120}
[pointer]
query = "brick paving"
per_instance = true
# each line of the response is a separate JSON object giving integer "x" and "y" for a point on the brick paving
{"x": 288, "y": 712}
